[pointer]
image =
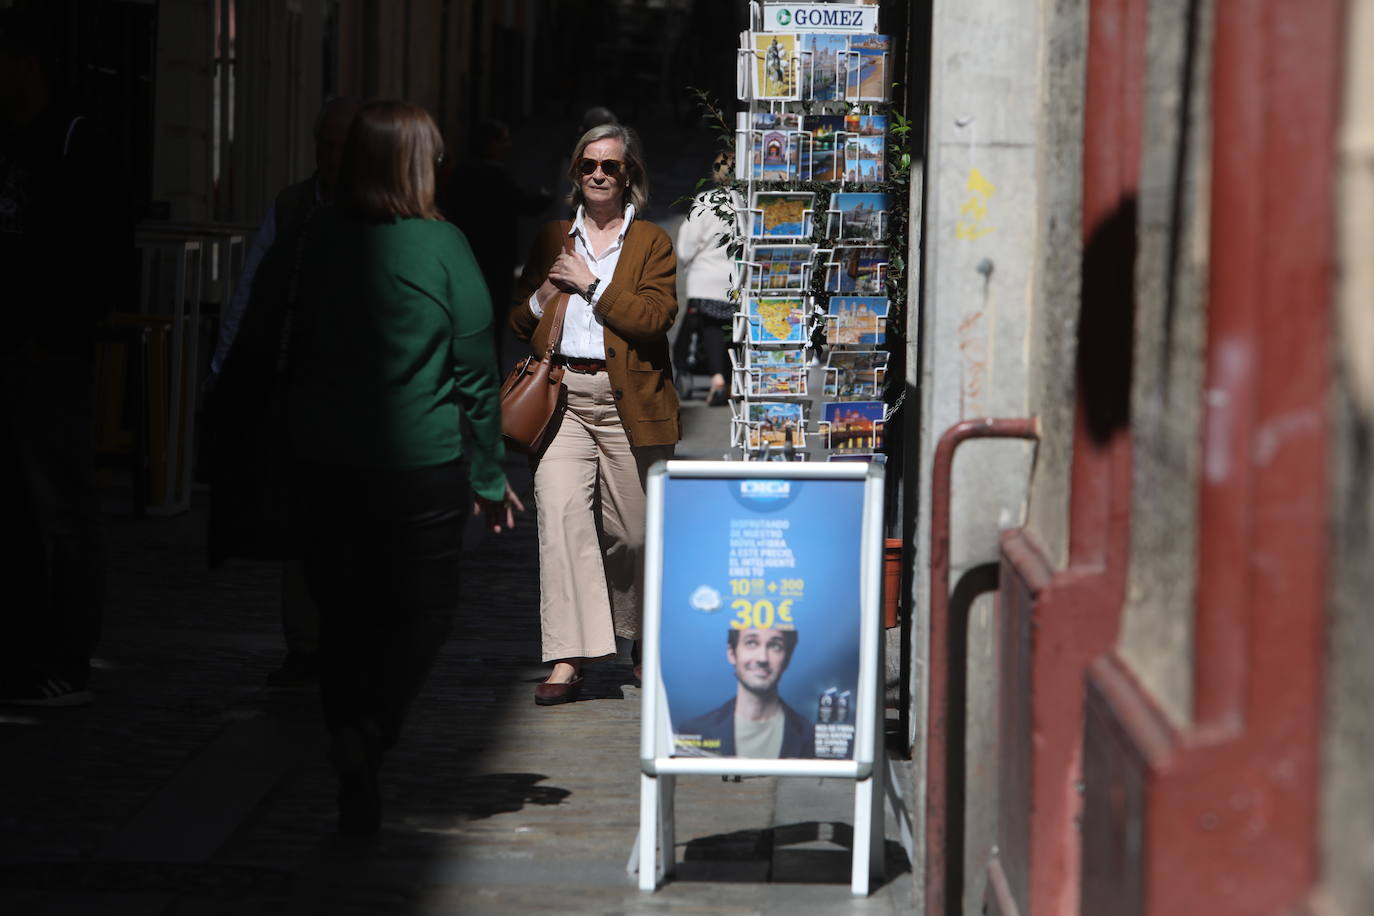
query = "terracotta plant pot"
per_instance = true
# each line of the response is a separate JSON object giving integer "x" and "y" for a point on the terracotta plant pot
{"x": 892, "y": 582}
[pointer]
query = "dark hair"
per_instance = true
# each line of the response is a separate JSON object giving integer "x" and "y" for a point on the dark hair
{"x": 353, "y": 103}
{"x": 595, "y": 117}
{"x": 487, "y": 130}
{"x": 789, "y": 640}
{"x": 389, "y": 161}
{"x": 638, "y": 191}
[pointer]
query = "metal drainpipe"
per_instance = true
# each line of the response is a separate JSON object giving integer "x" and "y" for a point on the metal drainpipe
{"x": 939, "y": 757}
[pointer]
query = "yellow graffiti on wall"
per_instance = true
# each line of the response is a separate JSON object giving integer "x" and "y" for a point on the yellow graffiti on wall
{"x": 973, "y": 213}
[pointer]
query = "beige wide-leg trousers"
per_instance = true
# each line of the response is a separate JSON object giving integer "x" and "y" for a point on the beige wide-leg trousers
{"x": 589, "y": 489}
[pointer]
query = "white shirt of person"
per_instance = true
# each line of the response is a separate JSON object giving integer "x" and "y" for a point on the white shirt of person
{"x": 583, "y": 329}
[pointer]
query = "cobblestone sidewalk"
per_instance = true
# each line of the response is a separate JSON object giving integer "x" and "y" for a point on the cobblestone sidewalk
{"x": 190, "y": 788}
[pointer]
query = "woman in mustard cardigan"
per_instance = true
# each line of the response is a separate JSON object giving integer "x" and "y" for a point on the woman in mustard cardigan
{"x": 620, "y": 410}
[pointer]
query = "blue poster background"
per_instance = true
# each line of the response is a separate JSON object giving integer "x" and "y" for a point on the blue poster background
{"x": 824, "y": 535}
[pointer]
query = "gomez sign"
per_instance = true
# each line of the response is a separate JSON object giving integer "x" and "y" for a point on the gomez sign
{"x": 820, "y": 17}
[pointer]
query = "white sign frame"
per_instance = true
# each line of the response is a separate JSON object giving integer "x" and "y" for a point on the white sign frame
{"x": 655, "y": 848}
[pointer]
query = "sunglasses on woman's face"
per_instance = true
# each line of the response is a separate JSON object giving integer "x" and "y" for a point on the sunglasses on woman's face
{"x": 609, "y": 167}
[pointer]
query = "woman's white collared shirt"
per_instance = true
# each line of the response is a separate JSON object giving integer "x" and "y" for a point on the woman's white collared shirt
{"x": 583, "y": 329}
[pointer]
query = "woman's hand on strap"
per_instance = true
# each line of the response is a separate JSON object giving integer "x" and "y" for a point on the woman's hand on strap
{"x": 498, "y": 512}
{"x": 570, "y": 273}
{"x": 545, "y": 292}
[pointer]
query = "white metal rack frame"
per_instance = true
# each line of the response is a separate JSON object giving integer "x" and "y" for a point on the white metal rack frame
{"x": 783, "y": 79}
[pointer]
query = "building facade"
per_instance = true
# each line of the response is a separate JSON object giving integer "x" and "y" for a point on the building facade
{"x": 1139, "y": 219}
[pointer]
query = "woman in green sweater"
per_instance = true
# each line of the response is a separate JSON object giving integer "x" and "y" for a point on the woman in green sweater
{"x": 393, "y": 339}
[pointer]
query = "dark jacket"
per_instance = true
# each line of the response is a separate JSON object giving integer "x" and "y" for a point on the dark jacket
{"x": 245, "y": 440}
{"x": 66, "y": 234}
{"x": 259, "y": 336}
{"x": 798, "y": 735}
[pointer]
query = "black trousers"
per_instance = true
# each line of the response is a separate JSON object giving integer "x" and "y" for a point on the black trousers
{"x": 711, "y": 354}
{"x": 715, "y": 346}
{"x": 380, "y": 551}
{"x": 52, "y": 568}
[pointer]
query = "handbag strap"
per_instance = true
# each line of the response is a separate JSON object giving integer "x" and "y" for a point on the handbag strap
{"x": 556, "y": 331}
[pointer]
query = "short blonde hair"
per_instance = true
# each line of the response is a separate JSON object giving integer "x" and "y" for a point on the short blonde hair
{"x": 389, "y": 161}
{"x": 638, "y": 191}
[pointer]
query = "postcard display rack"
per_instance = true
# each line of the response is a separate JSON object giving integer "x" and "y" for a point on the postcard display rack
{"x": 810, "y": 150}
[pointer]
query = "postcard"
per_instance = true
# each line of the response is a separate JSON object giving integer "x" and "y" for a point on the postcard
{"x": 858, "y": 216}
{"x": 781, "y": 214}
{"x": 770, "y": 141}
{"x": 824, "y": 66}
{"x": 866, "y": 125}
{"x": 866, "y": 74}
{"x": 864, "y": 159}
{"x": 773, "y": 120}
{"x": 857, "y": 307}
{"x": 856, "y": 321}
{"x": 843, "y": 332}
{"x": 776, "y": 423}
{"x": 855, "y": 374}
{"x": 823, "y": 156}
{"x": 775, "y": 67}
{"x": 821, "y": 164}
{"x": 775, "y": 152}
{"x": 777, "y": 320}
{"x": 857, "y": 270}
{"x": 780, "y": 267}
{"x": 776, "y": 382}
{"x": 859, "y": 389}
{"x": 854, "y": 425}
{"x": 793, "y": 358}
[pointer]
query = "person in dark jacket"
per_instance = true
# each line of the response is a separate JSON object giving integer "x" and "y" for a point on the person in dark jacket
{"x": 486, "y": 201}
{"x": 66, "y": 241}
{"x": 755, "y": 722}
{"x": 243, "y": 444}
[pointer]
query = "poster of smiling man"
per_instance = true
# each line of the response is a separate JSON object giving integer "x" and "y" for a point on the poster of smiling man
{"x": 760, "y": 618}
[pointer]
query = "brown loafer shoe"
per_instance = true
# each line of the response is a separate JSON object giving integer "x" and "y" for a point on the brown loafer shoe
{"x": 547, "y": 694}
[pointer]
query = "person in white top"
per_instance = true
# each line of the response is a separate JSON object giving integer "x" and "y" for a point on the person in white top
{"x": 703, "y": 253}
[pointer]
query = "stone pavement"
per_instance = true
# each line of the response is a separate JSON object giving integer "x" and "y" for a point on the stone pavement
{"x": 190, "y": 788}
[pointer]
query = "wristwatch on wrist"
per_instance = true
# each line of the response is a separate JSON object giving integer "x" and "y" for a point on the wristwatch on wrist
{"x": 591, "y": 288}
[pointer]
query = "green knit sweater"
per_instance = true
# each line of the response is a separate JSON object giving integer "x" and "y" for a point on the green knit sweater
{"x": 395, "y": 336}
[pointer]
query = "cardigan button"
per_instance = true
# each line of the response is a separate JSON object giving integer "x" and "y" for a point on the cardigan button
{"x": 610, "y": 352}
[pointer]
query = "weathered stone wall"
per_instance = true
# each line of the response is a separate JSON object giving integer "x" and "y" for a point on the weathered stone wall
{"x": 997, "y": 324}
{"x": 1170, "y": 337}
{"x": 423, "y": 50}
{"x": 181, "y": 124}
{"x": 1053, "y": 339}
{"x": 1347, "y": 842}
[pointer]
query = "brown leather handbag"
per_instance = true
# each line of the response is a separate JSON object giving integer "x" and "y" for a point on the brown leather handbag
{"x": 529, "y": 395}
